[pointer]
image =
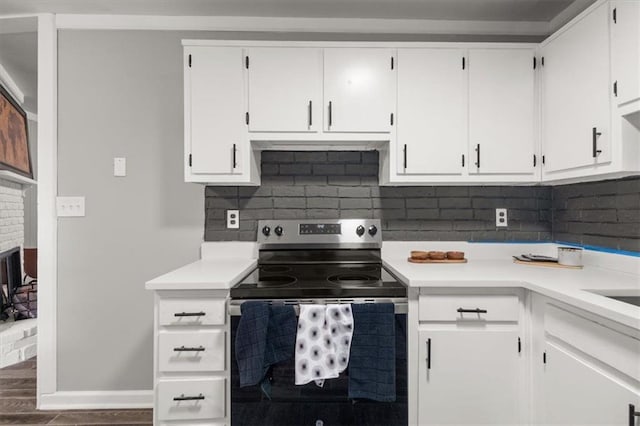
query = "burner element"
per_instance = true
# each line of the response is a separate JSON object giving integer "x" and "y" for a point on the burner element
{"x": 367, "y": 268}
{"x": 352, "y": 279}
{"x": 275, "y": 268}
{"x": 276, "y": 281}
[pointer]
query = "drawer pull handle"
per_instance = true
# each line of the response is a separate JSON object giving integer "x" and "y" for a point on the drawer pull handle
{"x": 472, "y": 311}
{"x": 189, "y": 314}
{"x": 199, "y": 397}
{"x": 429, "y": 354}
{"x": 187, "y": 349}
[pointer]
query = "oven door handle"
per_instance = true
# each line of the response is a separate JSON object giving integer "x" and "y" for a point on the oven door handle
{"x": 400, "y": 304}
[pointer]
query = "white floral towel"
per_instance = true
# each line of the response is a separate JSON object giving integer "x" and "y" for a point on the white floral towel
{"x": 323, "y": 342}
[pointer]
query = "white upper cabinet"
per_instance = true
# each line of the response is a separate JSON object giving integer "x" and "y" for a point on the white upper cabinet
{"x": 576, "y": 95}
{"x": 501, "y": 111}
{"x": 217, "y": 147}
{"x": 432, "y": 105}
{"x": 626, "y": 50}
{"x": 359, "y": 89}
{"x": 285, "y": 89}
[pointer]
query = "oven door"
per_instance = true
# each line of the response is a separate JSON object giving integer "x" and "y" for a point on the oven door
{"x": 310, "y": 404}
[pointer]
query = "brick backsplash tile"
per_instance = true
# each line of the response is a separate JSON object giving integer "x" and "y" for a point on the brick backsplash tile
{"x": 330, "y": 185}
{"x": 603, "y": 214}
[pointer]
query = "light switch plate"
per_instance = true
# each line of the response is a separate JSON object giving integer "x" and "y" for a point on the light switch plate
{"x": 501, "y": 218}
{"x": 70, "y": 206}
{"x": 119, "y": 166}
{"x": 233, "y": 219}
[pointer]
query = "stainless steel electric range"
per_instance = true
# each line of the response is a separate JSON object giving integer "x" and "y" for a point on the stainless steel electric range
{"x": 318, "y": 261}
{"x": 329, "y": 259}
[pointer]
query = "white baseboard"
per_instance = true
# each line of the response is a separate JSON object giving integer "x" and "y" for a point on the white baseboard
{"x": 96, "y": 400}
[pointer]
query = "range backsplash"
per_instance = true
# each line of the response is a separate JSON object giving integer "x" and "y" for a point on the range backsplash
{"x": 603, "y": 214}
{"x": 329, "y": 185}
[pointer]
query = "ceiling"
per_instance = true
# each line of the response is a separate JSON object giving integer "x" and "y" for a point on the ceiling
{"x": 466, "y": 10}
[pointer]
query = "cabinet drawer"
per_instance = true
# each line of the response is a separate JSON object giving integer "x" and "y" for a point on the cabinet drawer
{"x": 191, "y": 311}
{"x": 448, "y": 307}
{"x": 607, "y": 345}
{"x": 202, "y": 350}
{"x": 195, "y": 399}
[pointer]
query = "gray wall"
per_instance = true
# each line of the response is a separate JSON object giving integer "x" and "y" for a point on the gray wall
{"x": 317, "y": 185}
{"x": 604, "y": 214}
{"x": 120, "y": 94}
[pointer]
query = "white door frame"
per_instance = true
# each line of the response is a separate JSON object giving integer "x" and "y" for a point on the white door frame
{"x": 47, "y": 218}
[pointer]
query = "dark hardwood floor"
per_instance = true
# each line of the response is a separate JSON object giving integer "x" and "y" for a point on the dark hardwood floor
{"x": 18, "y": 404}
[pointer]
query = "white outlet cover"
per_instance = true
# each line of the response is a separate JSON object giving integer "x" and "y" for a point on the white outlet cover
{"x": 70, "y": 206}
{"x": 501, "y": 218}
{"x": 233, "y": 219}
{"x": 119, "y": 166}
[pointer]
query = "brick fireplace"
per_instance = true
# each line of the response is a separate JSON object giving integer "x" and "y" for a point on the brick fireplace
{"x": 17, "y": 338}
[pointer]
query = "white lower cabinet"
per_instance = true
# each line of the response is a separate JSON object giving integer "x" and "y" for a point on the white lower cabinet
{"x": 191, "y": 368}
{"x": 470, "y": 362}
{"x": 191, "y": 351}
{"x": 469, "y": 377}
{"x": 586, "y": 368}
{"x": 577, "y": 392}
{"x": 194, "y": 399}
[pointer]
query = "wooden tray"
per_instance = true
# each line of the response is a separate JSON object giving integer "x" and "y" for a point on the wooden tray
{"x": 412, "y": 260}
{"x": 547, "y": 264}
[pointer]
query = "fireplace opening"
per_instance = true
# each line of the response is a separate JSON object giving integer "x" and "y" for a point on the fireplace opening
{"x": 17, "y": 300}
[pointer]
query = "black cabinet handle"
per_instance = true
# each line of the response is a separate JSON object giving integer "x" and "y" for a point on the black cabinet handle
{"x": 462, "y": 160}
{"x": 429, "y": 354}
{"x": 404, "y": 152}
{"x": 235, "y": 162}
{"x": 633, "y": 414}
{"x": 330, "y": 113}
{"x": 189, "y": 314}
{"x": 535, "y": 160}
{"x": 182, "y": 397}
{"x": 472, "y": 311}
{"x": 594, "y": 138}
{"x": 310, "y": 113}
{"x": 189, "y": 349}
{"x": 478, "y": 155}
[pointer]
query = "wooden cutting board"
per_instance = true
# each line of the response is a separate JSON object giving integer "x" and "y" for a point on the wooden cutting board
{"x": 412, "y": 260}
{"x": 546, "y": 264}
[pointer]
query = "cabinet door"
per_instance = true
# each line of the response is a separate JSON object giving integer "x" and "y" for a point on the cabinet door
{"x": 285, "y": 89}
{"x": 215, "y": 110}
{"x": 501, "y": 111}
{"x": 469, "y": 377}
{"x": 359, "y": 90}
{"x": 626, "y": 50}
{"x": 576, "y": 393}
{"x": 576, "y": 95}
{"x": 432, "y": 104}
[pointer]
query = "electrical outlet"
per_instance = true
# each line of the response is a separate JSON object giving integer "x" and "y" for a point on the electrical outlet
{"x": 501, "y": 218}
{"x": 233, "y": 219}
{"x": 70, "y": 206}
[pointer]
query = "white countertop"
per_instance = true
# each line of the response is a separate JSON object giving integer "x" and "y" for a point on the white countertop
{"x": 490, "y": 265}
{"x": 222, "y": 266}
{"x": 484, "y": 270}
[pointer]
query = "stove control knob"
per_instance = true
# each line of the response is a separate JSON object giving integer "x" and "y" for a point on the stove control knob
{"x": 278, "y": 230}
{"x": 373, "y": 230}
{"x": 360, "y": 230}
{"x": 266, "y": 231}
